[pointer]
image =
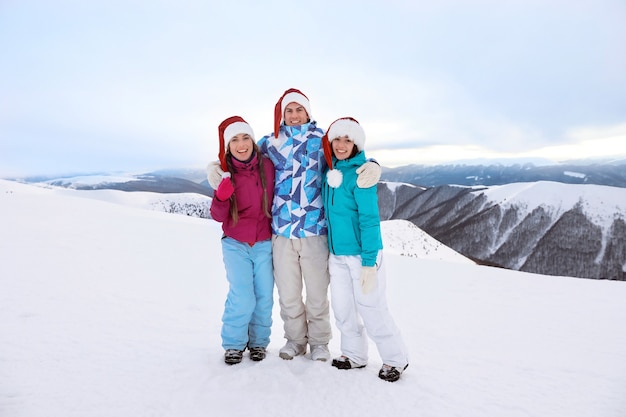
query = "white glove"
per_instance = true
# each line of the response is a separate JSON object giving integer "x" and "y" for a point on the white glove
{"x": 368, "y": 279}
{"x": 214, "y": 174}
{"x": 368, "y": 175}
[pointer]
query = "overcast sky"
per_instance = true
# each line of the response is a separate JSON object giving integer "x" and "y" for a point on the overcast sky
{"x": 138, "y": 85}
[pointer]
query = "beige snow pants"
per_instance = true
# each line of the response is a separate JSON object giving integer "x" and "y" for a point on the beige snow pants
{"x": 297, "y": 261}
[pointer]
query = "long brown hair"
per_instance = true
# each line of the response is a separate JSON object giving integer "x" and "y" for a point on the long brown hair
{"x": 234, "y": 212}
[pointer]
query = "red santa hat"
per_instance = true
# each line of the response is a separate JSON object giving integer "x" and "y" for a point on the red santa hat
{"x": 345, "y": 126}
{"x": 229, "y": 128}
{"x": 290, "y": 96}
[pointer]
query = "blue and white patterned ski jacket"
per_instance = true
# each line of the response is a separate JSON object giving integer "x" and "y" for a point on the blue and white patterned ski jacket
{"x": 298, "y": 158}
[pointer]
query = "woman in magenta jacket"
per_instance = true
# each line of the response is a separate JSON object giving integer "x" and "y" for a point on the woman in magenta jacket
{"x": 242, "y": 203}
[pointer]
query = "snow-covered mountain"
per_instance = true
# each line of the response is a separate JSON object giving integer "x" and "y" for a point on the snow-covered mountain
{"x": 401, "y": 236}
{"x": 111, "y": 308}
{"x": 611, "y": 172}
{"x": 542, "y": 227}
{"x": 159, "y": 182}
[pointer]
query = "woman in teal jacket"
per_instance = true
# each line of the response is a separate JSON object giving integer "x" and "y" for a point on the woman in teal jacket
{"x": 357, "y": 273}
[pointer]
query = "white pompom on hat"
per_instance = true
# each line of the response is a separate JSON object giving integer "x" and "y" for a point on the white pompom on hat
{"x": 344, "y": 126}
{"x": 290, "y": 96}
{"x": 228, "y": 129}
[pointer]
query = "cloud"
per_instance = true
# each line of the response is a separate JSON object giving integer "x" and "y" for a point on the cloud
{"x": 424, "y": 79}
{"x": 589, "y": 142}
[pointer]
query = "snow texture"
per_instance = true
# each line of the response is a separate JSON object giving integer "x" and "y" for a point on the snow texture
{"x": 114, "y": 310}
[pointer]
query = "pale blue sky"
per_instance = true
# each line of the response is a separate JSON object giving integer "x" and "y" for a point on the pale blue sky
{"x": 140, "y": 85}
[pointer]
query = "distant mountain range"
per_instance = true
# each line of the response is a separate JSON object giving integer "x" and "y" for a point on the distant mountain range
{"x": 567, "y": 219}
{"x": 599, "y": 172}
{"x": 611, "y": 173}
{"x": 165, "y": 183}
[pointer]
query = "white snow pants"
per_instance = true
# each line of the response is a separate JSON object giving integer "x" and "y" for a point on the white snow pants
{"x": 360, "y": 315}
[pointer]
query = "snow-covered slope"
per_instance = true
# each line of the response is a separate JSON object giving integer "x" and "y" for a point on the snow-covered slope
{"x": 113, "y": 310}
{"x": 399, "y": 236}
{"x": 402, "y": 237}
{"x": 601, "y": 204}
{"x": 541, "y": 227}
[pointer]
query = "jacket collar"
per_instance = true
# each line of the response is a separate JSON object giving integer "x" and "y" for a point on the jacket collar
{"x": 300, "y": 129}
{"x": 240, "y": 165}
{"x": 356, "y": 160}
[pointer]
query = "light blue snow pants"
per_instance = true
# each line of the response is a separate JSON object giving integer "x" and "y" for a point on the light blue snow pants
{"x": 247, "y": 319}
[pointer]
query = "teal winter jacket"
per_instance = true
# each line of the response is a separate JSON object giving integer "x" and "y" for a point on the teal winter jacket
{"x": 352, "y": 214}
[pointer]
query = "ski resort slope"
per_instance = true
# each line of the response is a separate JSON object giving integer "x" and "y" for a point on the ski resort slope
{"x": 114, "y": 310}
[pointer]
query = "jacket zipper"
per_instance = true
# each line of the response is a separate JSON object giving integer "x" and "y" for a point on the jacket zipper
{"x": 332, "y": 203}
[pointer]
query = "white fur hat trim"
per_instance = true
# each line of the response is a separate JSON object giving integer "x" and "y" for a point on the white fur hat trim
{"x": 236, "y": 128}
{"x": 294, "y": 97}
{"x": 349, "y": 128}
{"x": 334, "y": 178}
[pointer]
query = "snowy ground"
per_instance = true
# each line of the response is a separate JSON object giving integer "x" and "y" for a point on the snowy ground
{"x": 113, "y": 310}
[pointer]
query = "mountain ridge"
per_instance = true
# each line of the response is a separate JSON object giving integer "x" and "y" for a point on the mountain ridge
{"x": 502, "y": 225}
{"x": 610, "y": 172}
{"x": 544, "y": 227}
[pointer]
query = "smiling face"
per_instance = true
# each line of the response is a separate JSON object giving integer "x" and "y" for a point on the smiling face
{"x": 343, "y": 148}
{"x": 295, "y": 114}
{"x": 241, "y": 146}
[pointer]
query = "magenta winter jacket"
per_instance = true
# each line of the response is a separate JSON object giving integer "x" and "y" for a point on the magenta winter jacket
{"x": 253, "y": 226}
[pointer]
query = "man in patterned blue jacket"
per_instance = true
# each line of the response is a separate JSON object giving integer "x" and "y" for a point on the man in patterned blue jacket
{"x": 300, "y": 243}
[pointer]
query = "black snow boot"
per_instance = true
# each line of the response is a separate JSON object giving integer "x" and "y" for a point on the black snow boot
{"x": 257, "y": 353}
{"x": 390, "y": 373}
{"x": 343, "y": 362}
{"x": 233, "y": 356}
